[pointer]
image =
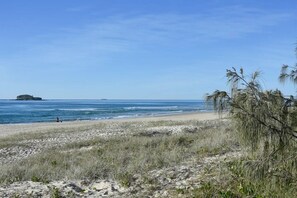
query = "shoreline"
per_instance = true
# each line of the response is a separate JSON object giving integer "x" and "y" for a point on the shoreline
{"x": 115, "y": 118}
{"x": 12, "y": 129}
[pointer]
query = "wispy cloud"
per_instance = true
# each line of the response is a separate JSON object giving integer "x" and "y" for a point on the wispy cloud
{"x": 221, "y": 23}
{"x": 127, "y": 33}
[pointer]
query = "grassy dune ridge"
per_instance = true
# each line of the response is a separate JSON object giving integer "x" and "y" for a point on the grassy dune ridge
{"x": 136, "y": 150}
{"x": 135, "y": 158}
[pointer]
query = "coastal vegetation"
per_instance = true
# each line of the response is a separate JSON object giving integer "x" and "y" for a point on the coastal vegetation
{"x": 265, "y": 122}
{"x": 130, "y": 153}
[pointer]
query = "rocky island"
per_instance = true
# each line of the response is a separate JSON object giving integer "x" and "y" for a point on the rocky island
{"x": 27, "y": 97}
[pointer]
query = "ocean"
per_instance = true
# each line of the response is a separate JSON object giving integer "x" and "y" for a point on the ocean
{"x": 13, "y": 111}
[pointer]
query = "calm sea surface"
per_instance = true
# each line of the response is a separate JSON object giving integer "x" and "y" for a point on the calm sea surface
{"x": 12, "y": 111}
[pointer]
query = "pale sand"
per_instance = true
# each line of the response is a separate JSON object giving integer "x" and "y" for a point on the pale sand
{"x": 12, "y": 129}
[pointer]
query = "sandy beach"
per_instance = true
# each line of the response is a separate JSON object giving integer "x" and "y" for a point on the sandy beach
{"x": 12, "y": 129}
{"x": 112, "y": 158}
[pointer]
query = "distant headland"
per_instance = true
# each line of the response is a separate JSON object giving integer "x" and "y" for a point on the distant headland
{"x": 27, "y": 97}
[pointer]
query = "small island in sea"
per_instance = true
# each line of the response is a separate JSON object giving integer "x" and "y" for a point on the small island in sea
{"x": 27, "y": 97}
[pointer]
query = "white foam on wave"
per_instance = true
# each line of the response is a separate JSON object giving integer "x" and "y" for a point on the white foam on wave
{"x": 79, "y": 109}
{"x": 151, "y": 108}
{"x": 102, "y": 118}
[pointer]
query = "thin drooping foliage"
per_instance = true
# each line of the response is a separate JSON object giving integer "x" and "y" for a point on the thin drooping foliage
{"x": 258, "y": 114}
{"x": 265, "y": 120}
{"x": 289, "y": 72}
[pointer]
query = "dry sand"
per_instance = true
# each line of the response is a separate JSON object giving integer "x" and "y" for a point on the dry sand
{"x": 12, "y": 129}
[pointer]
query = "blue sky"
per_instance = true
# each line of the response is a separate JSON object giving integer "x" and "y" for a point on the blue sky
{"x": 141, "y": 49}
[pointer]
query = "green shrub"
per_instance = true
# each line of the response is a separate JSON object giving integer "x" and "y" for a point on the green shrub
{"x": 265, "y": 122}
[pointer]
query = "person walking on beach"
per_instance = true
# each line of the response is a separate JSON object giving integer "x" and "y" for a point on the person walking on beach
{"x": 58, "y": 120}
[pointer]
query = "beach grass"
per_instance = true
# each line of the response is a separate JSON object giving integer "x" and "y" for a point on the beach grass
{"x": 116, "y": 157}
{"x": 126, "y": 151}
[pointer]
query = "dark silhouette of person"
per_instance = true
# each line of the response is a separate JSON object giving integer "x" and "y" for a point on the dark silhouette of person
{"x": 58, "y": 120}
